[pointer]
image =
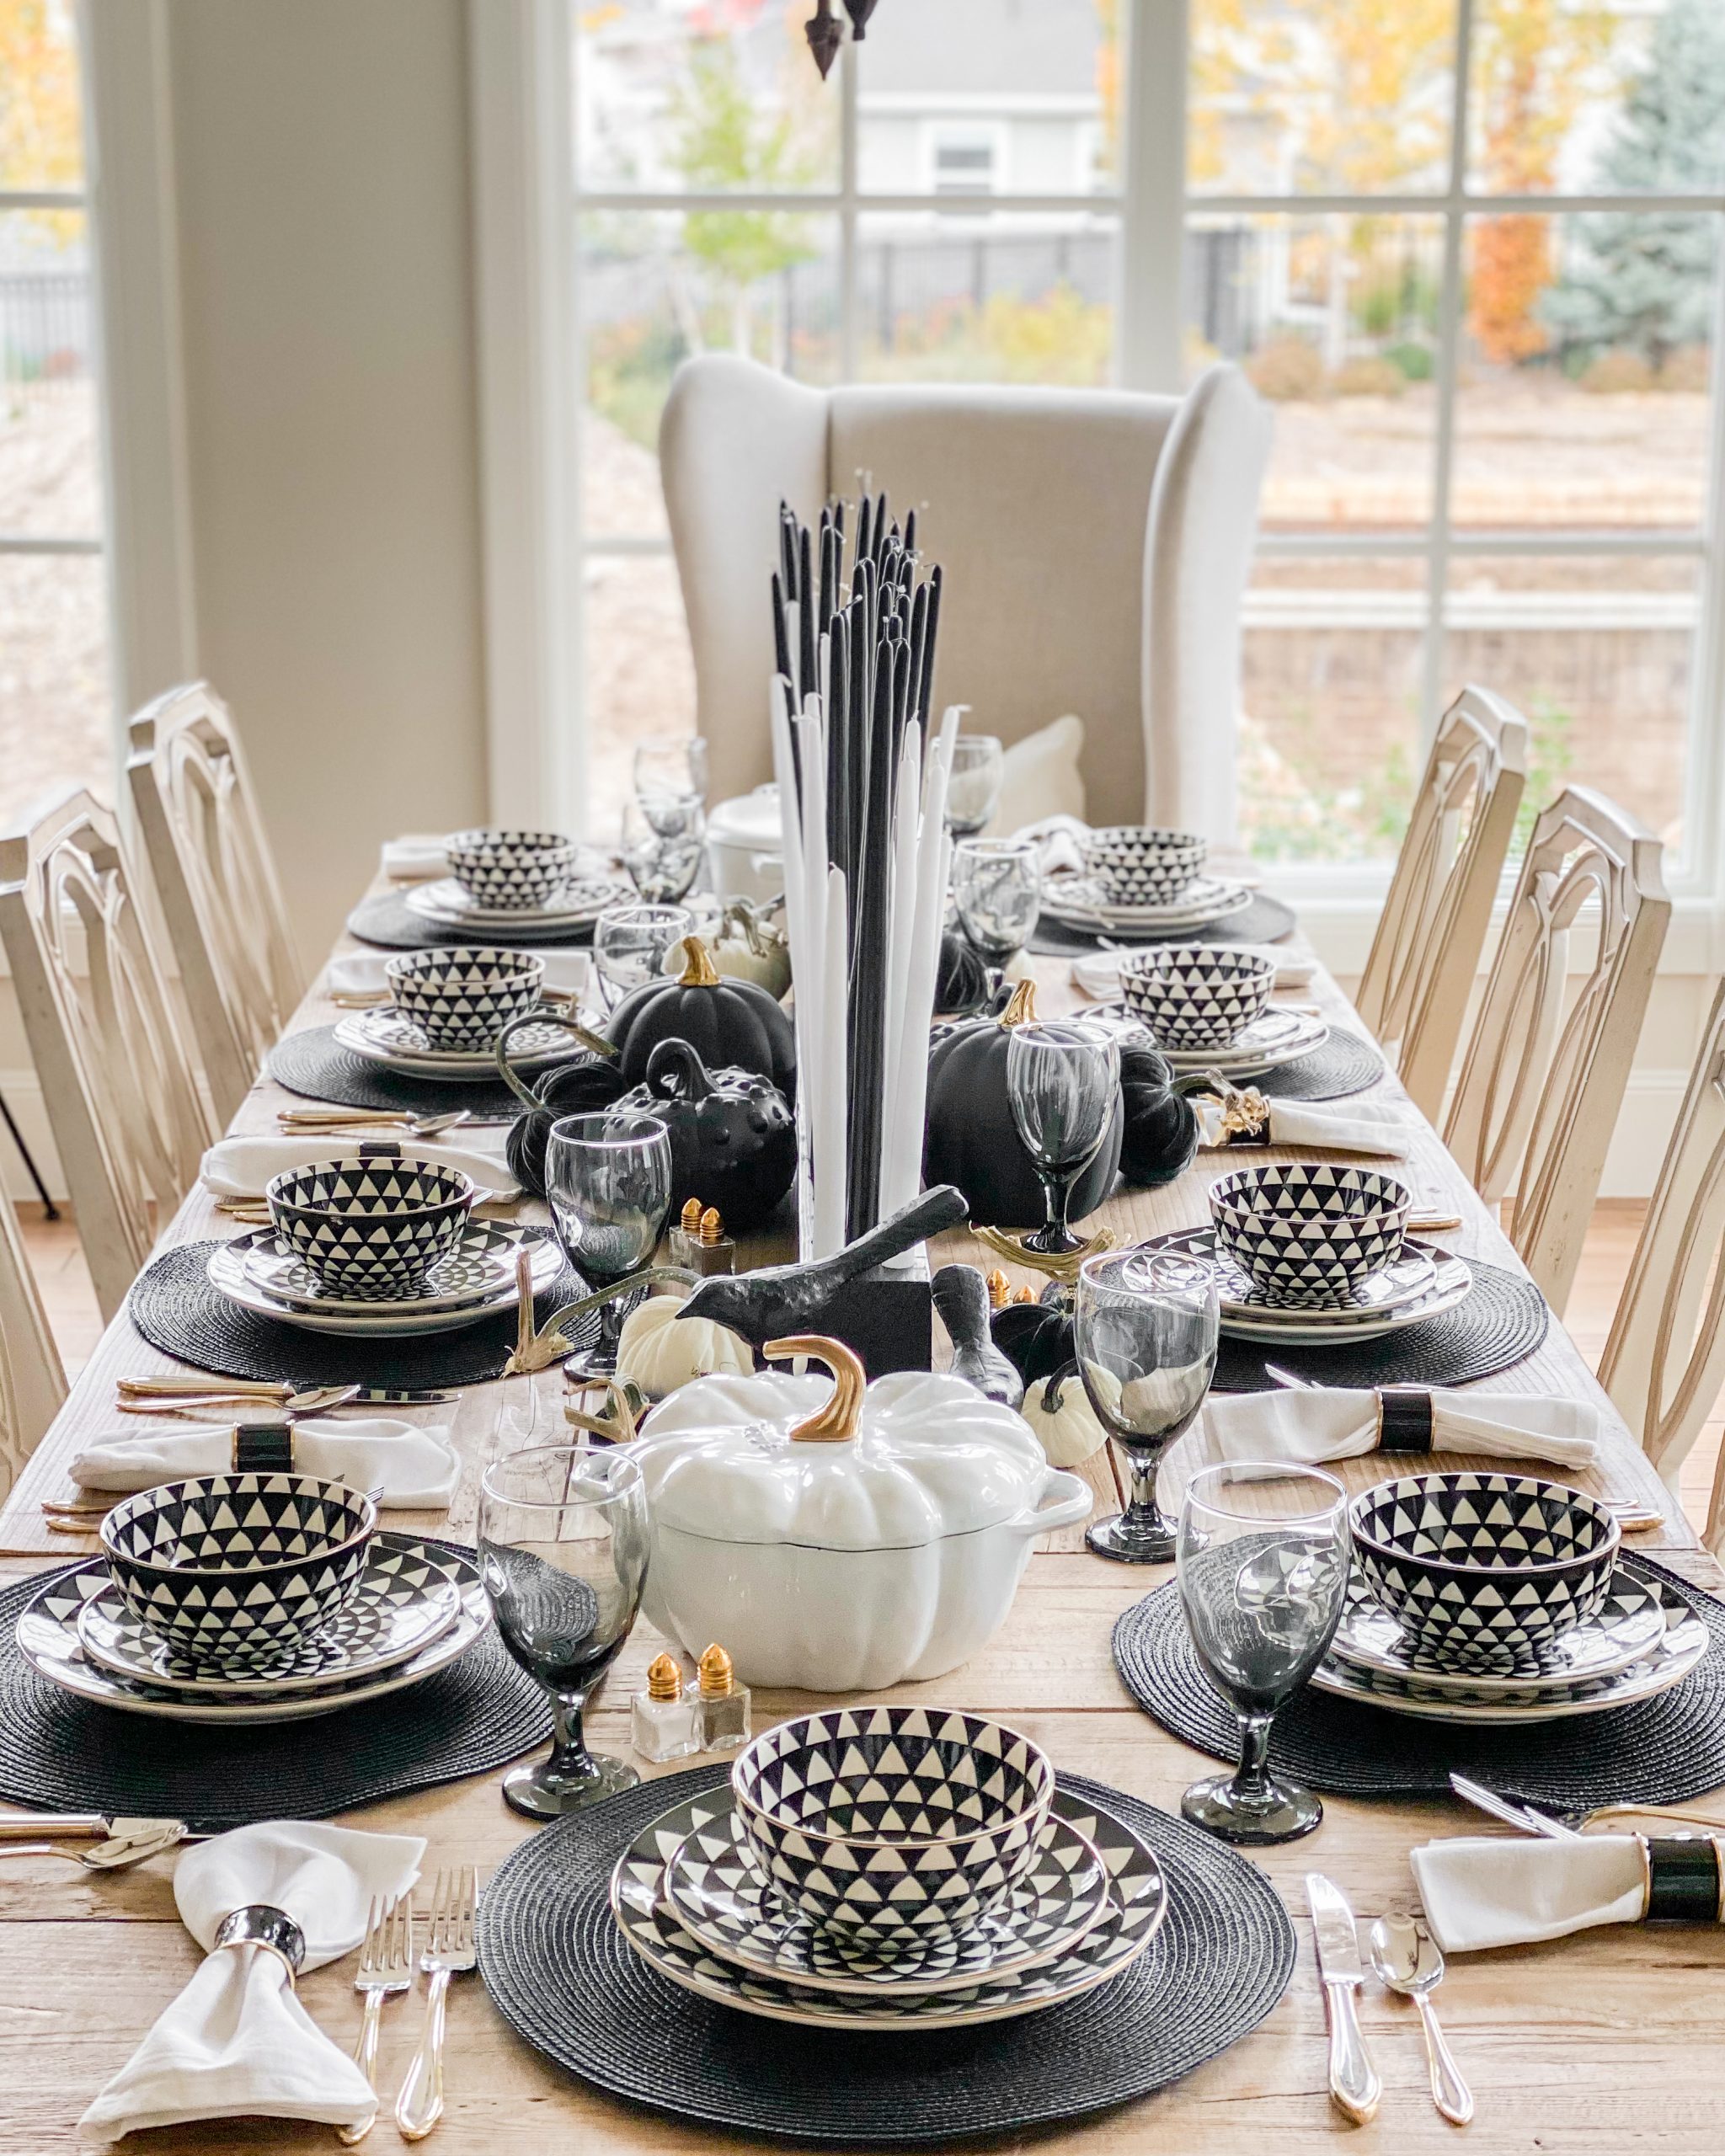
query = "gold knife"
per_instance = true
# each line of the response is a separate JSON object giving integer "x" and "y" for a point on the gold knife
{"x": 1354, "y": 2086}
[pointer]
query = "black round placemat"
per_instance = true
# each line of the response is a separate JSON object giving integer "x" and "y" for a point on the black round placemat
{"x": 1345, "y": 1064}
{"x": 1661, "y": 1752}
{"x": 1265, "y": 921}
{"x": 314, "y": 1064}
{"x": 561, "y": 1974}
{"x": 174, "y": 1307}
{"x": 59, "y": 1754}
{"x": 391, "y": 923}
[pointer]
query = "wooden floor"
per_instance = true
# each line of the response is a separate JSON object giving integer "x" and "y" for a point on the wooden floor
{"x": 55, "y": 1253}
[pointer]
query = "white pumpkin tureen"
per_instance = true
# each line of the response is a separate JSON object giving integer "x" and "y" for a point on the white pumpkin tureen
{"x": 838, "y": 1537}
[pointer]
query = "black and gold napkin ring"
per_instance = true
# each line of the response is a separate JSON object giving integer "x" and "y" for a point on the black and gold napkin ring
{"x": 1246, "y": 1113}
{"x": 1686, "y": 1878}
{"x": 260, "y": 1924}
{"x": 263, "y": 1448}
{"x": 1404, "y": 1419}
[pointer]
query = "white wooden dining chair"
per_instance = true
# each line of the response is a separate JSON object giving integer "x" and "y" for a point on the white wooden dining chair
{"x": 1430, "y": 936}
{"x": 32, "y": 1378}
{"x": 128, "y": 1118}
{"x": 215, "y": 877}
{"x": 1545, "y": 1069}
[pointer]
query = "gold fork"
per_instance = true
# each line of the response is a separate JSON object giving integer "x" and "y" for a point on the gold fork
{"x": 386, "y": 1967}
{"x": 449, "y": 1950}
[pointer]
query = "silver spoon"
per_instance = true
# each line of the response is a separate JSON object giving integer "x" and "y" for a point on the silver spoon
{"x": 1406, "y": 1959}
{"x": 309, "y": 1123}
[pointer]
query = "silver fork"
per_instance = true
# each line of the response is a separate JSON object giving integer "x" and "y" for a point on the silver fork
{"x": 449, "y": 1950}
{"x": 385, "y": 1966}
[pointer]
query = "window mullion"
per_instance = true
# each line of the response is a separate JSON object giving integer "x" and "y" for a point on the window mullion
{"x": 1147, "y": 348}
{"x": 848, "y": 93}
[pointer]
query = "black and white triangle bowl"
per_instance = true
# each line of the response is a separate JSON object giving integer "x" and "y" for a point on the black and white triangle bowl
{"x": 1309, "y": 1234}
{"x": 462, "y": 998}
{"x": 369, "y": 1229}
{"x": 1198, "y": 995}
{"x": 512, "y": 870}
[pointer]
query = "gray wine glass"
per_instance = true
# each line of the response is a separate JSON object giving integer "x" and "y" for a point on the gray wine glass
{"x": 608, "y": 1178}
{"x": 1063, "y": 1086}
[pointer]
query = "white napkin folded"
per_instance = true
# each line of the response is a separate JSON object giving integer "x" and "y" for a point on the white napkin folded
{"x": 418, "y": 1469}
{"x": 418, "y": 857}
{"x": 1098, "y": 972}
{"x": 1357, "y": 1127}
{"x": 244, "y": 1167}
{"x": 360, "y": 973}
{"x": 237, "y": 2043}
{"x": 1492, "y": 1892}
{"x": 1318, "y": 1424}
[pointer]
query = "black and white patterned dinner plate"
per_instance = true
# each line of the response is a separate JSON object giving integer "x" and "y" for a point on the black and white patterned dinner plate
{"x": 227, "y": 1275}
{"x": 1280, "y": 1036}
{"x": 408, "y": 1592}
{"x": 715, "y": 1886}
{"x": 1137, "y": 1897}
{"x": 1078, "y": 901}
{"x": 481, "y": 1267}
{"x": 48, "y": 1640}
{"x": 1413, "y": 1274}
{"x": 1677, "y": 1649}
{"x": 1628, "y": 1626}
{"x": 1451, "y": 1283}
{"x": 394, "y": 1042}
{"x": 445, "y": 902}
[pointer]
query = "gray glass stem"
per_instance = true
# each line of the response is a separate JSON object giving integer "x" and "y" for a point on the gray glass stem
{"x": 1251, "y": 1780}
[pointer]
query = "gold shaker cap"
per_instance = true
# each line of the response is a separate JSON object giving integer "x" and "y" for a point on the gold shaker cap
{"x": 665, "y": 1679}
{"x": 718, "y": 1679}
{"x": 691, "y": 1217}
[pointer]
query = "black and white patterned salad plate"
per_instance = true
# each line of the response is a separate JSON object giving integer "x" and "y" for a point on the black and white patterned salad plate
{"x": 394, "y": 1042}
{"x": 481, "y": 1266}
{"x": 714, "y": 1886}
{"x": 1257, "y": 1051}
{"x": 1078, "y": 901}
{"x": 48, "y": 1639}
{"x": 446, "y": 903}
{"x": 408, "y": 1595}
{"x": 1137, "y": 1897}
{"x": 1451, "y": 1283}
{"x": 1413, "y": 1275}
{"x": 229, "y": 1275}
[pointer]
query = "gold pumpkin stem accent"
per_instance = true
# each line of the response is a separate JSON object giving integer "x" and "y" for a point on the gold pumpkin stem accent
{"x": 838, "y": 1417}
{"x": 1062, "y": 1265}
{"x": 1021, "y": 1011}
{"x": 616, "y": 1426}
{"x": 698, "y": 968}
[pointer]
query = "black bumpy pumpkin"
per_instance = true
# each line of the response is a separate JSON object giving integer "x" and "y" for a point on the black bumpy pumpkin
{"x": 731, "y": 1024}
{"x": 1037, "y": 1339}
{"x": 961, "y": 978}
{"x": 733, "y": 1137}
{"x": 1161, "y": 1127}
{"x": 972, "y": 1140}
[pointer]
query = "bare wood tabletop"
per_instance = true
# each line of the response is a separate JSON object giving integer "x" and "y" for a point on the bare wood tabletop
{"x": 1606, "y": 2042}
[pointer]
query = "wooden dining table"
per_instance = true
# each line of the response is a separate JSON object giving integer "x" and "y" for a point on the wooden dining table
{"x": 1609, "y": 2041}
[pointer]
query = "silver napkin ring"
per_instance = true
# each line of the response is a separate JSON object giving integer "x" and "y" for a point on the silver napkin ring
{"x": 275, "y": 1931}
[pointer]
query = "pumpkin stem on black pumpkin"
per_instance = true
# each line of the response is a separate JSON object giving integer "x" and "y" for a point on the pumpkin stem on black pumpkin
{"x": 591, "y": 1042}
{"x": 698, "y": 968}
{"x": 838, "y": 1417}
{"x": 1021, "y": 1011}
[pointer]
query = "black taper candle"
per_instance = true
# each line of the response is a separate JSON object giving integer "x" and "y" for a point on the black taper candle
{"x": 781, "y": 642}
{"x": 788, "y": 549}
{"x": 865, "y": 529}
{"x": 807, "y": 626}
{"x": 838, "y": 745}
{"x": 857, "y": 746}
{"x": 925, "y": 687}
{"x": 919, "y": 639}
{"x": 868, "y": 967}
{"x": 824, "y": 612}
{"x": 911, "y": 532}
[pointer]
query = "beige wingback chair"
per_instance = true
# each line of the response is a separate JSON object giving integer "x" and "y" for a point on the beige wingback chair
{"x": 1095, "y": 546}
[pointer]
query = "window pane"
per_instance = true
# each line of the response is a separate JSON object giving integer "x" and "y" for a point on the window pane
{"x": 1329, "y": 739}
{"x": 1597, "y": 654}
{"x": 1008, "y": 97}
{"x": 985, "y": 299}
{"x": 1334, "y": 319}
{"x": 56, "y": 725}
{"x": 1584, "y": 401}
{"x": 652, "y": 289}
{"x": 41, "y": 125}
{"x": 700, "y": 98}
{"x": 50, "y": 458}
{"x": 1592, "y": 99}
{"x": 640, "y": 676}
{"x": 1317, "y": 97}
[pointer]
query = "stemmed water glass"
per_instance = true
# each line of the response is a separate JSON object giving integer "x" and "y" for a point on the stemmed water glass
{"x": 1063, "y": 1085}
{"x": 974, "y": 784}
{"x": 670, "y": 781}
{"x": 662, "y": 869}
{"x": 562, "y": 1551}
{"x": 630, "y": 944}
{"x": 1145, "y": 1325}
{"x": 997, "y": 889}
{"x": 607, "y": 1178}
{"x": 1263, "y": 1572}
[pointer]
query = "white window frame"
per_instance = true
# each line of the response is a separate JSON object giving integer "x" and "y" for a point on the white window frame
{"x": 1153, "y": 206}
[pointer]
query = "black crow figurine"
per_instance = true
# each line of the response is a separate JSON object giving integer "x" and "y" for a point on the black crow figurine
{"x": 961, "y": 1296}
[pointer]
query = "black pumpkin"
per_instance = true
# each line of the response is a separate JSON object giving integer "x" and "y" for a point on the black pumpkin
{"x": 961, "y": 978}
{"x": 731, "y": 1024}
{"x": 578, "y": 1088}
{"x": 733, "y": 1137}
{"x": 1161, "y": 1126}
{"x": 971, "y": 1139}
{"x": 1036, "y": 1338}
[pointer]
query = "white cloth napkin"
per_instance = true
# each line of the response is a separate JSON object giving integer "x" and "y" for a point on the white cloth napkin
{"x": 1098, "y": 972}
{"x": 1358, "y": 1127}
{"x": 418, "y": 1469}
{"x": 1490, "y": 1891}
{"x": 1316, "y": 1424}
{"x": 244, "y": 1167}
{"x": 360, "y": 973}
{"x": 418, "y": 857}
{"x": 237, "y": 2042}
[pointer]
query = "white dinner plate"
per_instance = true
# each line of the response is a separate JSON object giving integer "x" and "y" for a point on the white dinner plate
{"x": 446, "y": 904}
{"x": 1452, "y": 1282}
{"x": 1078, "y": 902}
{"x": 481, "y": 1267}
{"x": 226, "y": 1274}
{"x": 1289, "y": 1044}
{"x": 384, "y": 1037}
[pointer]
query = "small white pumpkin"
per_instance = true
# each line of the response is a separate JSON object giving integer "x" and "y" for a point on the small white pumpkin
{"x": 750, "y": 949}
{"x": 661, "y": 1351}
{"x": 1067, "y": 1427}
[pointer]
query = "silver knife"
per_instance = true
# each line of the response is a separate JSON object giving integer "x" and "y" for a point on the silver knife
{"x": 1353, "y": 2082}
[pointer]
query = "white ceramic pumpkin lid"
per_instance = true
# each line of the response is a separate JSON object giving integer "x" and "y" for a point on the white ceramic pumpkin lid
{"x": 832, "y": 1463}
{"x": 754, "y": 819}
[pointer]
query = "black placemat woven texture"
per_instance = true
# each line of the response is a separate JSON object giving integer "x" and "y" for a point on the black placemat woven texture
{"x": 1662, "y": 1751}
{"x": 560, "y": 1972}
{"x": 315, "y": 1065}
{"x": 1265, "y": 921}
{"x": 174, "y": 1307}
{"x": 390, "y": 922}
{"x": 1345, "y": 1064}
{"x": 59, "y": 1754}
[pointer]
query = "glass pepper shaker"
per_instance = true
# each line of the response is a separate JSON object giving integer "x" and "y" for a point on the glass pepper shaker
{"x": 724, "y": 1703}
{"x": 664, "y": 1720}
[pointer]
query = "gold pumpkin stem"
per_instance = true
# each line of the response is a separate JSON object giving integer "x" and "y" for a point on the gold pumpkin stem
{"x": 698, "y": 968}
{"x": 616, "y": 1426}
{"x": 838, "y": 1417}
{"x": 1021, "y": 1011}
{"x": 1058, "y": 1266}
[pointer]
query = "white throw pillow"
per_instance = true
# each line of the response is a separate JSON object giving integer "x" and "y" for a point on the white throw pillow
{"x": 1040, "y": 776}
